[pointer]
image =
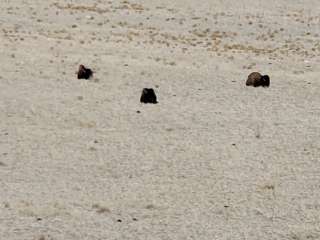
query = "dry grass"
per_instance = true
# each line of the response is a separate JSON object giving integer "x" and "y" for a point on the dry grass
{"x": 73, "y": 7}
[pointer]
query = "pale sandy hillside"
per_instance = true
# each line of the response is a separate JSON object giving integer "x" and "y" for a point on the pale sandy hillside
{"x": 214, "y": 159}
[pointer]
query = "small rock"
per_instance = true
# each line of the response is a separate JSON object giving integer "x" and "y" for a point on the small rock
{"x": 148, "y": 96}
{"x": 255, "y": 79}
{"x": 84, "y": 73}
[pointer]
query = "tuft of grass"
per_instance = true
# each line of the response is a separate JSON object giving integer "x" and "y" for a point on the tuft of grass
{"x": 101, "y": 209}
{"x": 269, "y": 187}
{"x": 150, "y": 206}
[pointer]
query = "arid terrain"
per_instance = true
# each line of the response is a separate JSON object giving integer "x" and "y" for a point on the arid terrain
{"x": 213, "y": 160}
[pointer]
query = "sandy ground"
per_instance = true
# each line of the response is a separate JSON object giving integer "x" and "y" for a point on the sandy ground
{"x": 213, "y": 160}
